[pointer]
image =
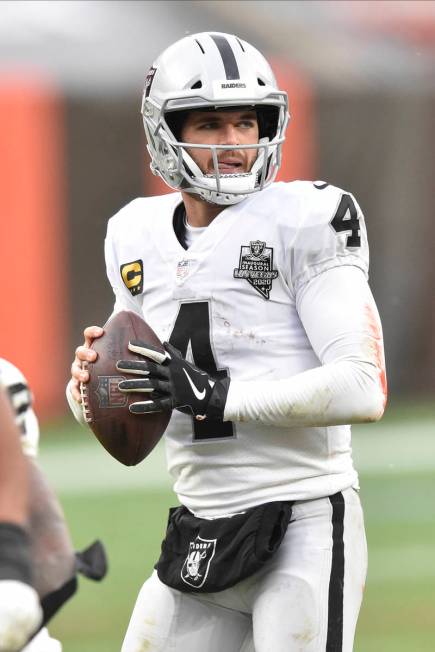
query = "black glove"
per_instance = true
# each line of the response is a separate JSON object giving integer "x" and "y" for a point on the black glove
{"x": 172, "y": 382}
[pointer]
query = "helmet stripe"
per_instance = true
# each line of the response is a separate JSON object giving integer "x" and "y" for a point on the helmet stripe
{"x": 228, "y": 58}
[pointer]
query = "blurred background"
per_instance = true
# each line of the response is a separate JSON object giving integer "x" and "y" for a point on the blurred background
{"x": 361, "y": 83}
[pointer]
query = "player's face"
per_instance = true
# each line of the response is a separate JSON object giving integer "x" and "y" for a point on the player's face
{"x": 222, "y": 128}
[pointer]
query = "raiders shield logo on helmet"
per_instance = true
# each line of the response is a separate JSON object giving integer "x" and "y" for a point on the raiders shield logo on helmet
{"x": 197, "y": 564}
{"x": 149, "y": 80}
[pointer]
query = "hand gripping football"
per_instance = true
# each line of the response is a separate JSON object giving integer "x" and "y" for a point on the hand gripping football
{"x": 126, "y": 436}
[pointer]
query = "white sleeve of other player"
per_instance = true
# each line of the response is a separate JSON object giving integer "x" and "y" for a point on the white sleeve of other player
{"x": 341, "y": 320}
{"x": 21, "y": 399}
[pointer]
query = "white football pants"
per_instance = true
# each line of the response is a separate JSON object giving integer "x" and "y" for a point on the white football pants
{"x": 305, "y": 599}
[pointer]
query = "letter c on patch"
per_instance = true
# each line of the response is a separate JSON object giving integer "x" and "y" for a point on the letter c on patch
{"x": 132, "y": 276}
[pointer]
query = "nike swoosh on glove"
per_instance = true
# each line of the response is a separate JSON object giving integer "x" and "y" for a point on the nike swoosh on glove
{"x": 20, "y": 614}
{"x": 171, "y": 382}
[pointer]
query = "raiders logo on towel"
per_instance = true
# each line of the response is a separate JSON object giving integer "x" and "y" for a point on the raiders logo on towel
{"x": 197, "y": 564}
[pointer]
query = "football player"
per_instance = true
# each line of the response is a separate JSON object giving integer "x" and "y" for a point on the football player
{"x": 21, "y": 401}
{"x": 273, "y": 346}
{"x": 53, "y": 560}
{"x": 20, "y": 612}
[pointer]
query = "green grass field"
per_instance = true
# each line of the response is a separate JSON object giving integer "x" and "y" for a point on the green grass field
{"x": 126, "y": 508}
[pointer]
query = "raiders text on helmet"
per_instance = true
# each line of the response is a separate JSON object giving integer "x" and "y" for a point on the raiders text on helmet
{"x": 211, "y": 71}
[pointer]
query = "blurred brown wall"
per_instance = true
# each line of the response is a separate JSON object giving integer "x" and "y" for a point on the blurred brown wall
{"x": 105, "y": 150}
{"x": 379, "y": 145}
{"x": 34, "y": 308}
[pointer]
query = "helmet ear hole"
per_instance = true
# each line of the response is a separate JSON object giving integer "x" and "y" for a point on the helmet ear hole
{"x": 197, "y": 84}
{"x": 261, "y": 82}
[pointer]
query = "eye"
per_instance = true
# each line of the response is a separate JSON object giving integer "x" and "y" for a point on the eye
{"x": 247, "y": 124}
{"x": 211, "y": 124}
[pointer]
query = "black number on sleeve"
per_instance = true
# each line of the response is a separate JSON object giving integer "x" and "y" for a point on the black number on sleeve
{"x": 346, "y": 219}
{"x": 192, "y": 326}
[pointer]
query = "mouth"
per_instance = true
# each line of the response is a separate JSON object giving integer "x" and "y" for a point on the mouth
{"x": 229, "y": 165}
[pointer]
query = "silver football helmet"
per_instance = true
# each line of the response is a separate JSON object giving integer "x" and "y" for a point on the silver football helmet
{"x": 212, "y": 70}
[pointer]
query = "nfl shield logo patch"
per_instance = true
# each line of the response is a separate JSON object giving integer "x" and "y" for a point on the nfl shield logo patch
{"x": 183, "y": 269}
{"x": 109, "y": 395}
{"x": 197, "y": 564}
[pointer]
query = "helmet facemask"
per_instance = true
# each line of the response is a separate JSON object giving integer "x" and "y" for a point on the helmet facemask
{"x": 172, "y": 161}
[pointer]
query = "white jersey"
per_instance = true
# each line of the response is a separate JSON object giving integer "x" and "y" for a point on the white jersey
{"x": 231, "y": 303}
{"x": 21, "y": 399}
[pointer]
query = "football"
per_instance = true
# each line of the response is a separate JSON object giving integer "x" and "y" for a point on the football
{"x": 126, "y": 436}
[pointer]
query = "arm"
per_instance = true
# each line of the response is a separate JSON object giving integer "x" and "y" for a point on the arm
{"x": 340, "y": 317}
{"x": 52, "y": 550}
{"x": 328, "y": 272}
{"x": 47, "y": 541}
{"x": 20, "y": 612}
{"x": 13, "y": 473}
{"x": 83, "y": 353}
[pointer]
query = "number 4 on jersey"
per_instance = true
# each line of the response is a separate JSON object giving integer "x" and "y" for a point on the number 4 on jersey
{"x": 346, "y": 219}
{"x": 192, "y": 327}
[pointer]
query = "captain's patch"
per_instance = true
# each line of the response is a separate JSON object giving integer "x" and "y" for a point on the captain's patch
{"x": 132, "y": 275}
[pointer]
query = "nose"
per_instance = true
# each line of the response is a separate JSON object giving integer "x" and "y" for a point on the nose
{"x": 229, "y": 135}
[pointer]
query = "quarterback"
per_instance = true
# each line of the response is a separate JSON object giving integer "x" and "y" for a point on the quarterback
{"x": 273, "y": 346}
